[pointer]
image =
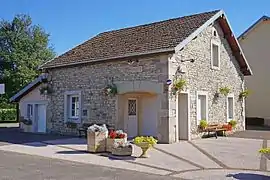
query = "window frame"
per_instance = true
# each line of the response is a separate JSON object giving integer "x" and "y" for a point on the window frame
{"x": 31, "y": 112}
{"x": 67, "y": 106}
{"x": 227, "y": 105}
{"x": 216, "y": 43}
{"x": 202, "y": 93}
{"x": 76, "y": 109}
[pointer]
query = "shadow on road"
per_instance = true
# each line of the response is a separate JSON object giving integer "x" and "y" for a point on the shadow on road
{"x": 248, "y": 176}
{"x": 15, "y": 136}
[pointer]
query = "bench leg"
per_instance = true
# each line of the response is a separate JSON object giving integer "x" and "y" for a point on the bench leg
{"x": 216, "y": 134}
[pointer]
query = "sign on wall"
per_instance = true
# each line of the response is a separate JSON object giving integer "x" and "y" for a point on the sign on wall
{"x": 2, "y": 88}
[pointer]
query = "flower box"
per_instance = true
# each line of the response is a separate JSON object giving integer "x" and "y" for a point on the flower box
{"x": 110, "y": 143}
{"x": 267, "y": 155}
{"x": 122, "y": 150}
{"x": 96, "y": 138}
{"x": 96, "y": 141}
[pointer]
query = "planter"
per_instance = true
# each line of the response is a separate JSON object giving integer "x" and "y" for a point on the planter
{"x": 96, "y": 141}
{"x": 110, "y": 143}
{"x": 267, "y": 155}
{"x": 145, "y": 146}
{"x": 122, "y": 151}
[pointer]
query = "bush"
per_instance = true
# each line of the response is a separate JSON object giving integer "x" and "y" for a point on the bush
{"x": 203, "y": 124}
{"x": 233, "y": 123}
{"x": 8, "y": 115}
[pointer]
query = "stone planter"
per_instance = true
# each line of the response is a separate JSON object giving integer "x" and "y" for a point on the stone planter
{"x": 96, "y": 141}
{"x": 145, "y": 146}
{"x": 110, "y": 142}
{"x": 267, "y": 155}
{"x": 122, "y": 151}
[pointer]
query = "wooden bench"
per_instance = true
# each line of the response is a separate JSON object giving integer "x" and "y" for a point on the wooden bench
{"x": 84, "y": 127}
{"x": 215, "y": 128}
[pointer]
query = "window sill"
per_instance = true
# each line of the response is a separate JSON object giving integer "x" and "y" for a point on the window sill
{"x": 215, "y": 68}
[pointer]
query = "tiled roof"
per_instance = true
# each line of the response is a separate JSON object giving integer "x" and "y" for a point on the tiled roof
{"x": 140, "y": 39}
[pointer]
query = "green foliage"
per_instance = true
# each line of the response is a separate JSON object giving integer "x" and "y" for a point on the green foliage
{"x": 203, "y": 124}
{"x": 23, "y": 47}
{"x": 265, "y": 150}
{"x": 244, "y": 93}
{"x": 111, "y": 89}
{"x": 178, "y": 85}
{"x": 145, "y": 139}
{"x": 8, "y": 115}
{"x": 224, "y": 90}
{"x": 233, "y": 123}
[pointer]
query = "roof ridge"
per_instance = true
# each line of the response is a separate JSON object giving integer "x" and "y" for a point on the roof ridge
{"x": 157, "y": 22}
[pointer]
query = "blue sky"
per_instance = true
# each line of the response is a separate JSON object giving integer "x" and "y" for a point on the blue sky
{"x": 72, "y": 22}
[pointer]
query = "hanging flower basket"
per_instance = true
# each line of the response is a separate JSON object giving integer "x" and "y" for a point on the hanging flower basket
{"x": 224, "y": 90}
{"x": 111, "y": 90}
{"x": 45, "y": 89}
{"x": 244, "y": 94}
{"x": 178, "y": 85}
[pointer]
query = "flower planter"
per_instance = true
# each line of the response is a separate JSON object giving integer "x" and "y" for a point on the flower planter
{"x": 145, "y": 146}
{"x": 267, "y": 155}
{"x": 110, "y": 143}
{"x": 96, "y": 141}
{"x": 122, "y": 151}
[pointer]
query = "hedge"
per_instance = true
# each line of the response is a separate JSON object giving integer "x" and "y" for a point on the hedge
{"x": 8, "y": 115}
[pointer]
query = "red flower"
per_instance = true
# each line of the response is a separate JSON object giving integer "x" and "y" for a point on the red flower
{"x": 121, "y": 136}
{"x": 112, "y": 134}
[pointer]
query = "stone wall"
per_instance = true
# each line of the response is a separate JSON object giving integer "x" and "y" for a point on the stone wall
{"x": 91, "y": 79}
{"x": 201, "y": 77}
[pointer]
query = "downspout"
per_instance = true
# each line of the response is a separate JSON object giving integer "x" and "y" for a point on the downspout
{"x": 243, "y": 105}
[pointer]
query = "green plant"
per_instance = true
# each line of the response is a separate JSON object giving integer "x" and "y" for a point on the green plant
{"x": 244, "y": 93}
{"x": 203, "y": 124}
{"x": 264, "y": 151}
{"x": 233, "y": 123}
{"x": 71, "y": 125}
{"x": 8, "y": 114}
{"x": 178, "y": 85}
{"x": 145, "y": 139}
{"x": 224, "y": 90}
{"x": 111, "y": 90}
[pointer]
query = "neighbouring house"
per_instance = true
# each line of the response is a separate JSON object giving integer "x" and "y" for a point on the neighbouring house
{"x": 125, "y": 78}
{"x": 255, "y": 42}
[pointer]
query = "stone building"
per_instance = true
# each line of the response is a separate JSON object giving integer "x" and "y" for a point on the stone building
{"x": 143, "y": 64}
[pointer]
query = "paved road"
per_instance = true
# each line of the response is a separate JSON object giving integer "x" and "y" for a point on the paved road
{"x": 14, "y": 166}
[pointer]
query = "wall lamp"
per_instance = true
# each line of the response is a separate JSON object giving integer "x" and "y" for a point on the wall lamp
{"x": 190, "y": 60}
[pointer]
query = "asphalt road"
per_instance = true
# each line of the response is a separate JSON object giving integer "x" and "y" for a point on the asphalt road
{"x": 14, "y": 166}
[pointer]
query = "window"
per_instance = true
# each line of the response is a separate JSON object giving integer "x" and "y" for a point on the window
{"x": 215, "y": 55}
{"x": 74, "y": 106}
{"x": 202, "y": 106}
{"x": 29, "y": 111}
{"x": 230, "y": 107}
{"x": 214, "y": 32}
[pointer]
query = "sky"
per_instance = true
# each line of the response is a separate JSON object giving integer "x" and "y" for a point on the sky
{"x": 71, "y": 22}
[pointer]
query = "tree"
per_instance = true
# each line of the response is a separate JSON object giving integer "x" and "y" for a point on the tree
{"x": 23, "y": 47}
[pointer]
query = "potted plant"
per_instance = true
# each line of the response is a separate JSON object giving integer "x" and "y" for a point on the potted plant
{"x": 178, "y": 85}
{"x": 265, "y": 152}
{"x": 232, "y": 123}
{"x": 224, "y": 90}
{"x": 96, "y": 138}
{"x": 244, "y": 94}
{"x": 115, "y": 137}
{"x": 111, "y": 90}
{"x": 145, "y": 143}
{"x": 71, "y": 125}
{"x": 45, "y": 89}
{"x": 228, "y": 127}
{"x": 203, "y": 124}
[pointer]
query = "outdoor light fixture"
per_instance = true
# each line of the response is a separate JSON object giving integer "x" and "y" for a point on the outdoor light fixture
{"x": 190, "y": 60}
